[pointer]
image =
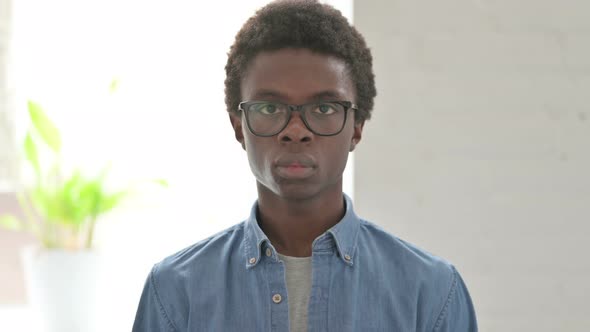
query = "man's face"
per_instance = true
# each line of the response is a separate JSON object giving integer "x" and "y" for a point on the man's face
{"x": 296, "y": 163}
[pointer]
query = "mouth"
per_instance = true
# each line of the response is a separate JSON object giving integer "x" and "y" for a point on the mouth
{"x": 299, "y": 167}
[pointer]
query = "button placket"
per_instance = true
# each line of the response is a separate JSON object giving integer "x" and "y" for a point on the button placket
{"x": 277, "y": 298}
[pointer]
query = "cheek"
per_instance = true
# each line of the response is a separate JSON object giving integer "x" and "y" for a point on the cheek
{"x": 336, "y": 156}
{"x": 256, "y": 154}
{"x": 251, "y": 150}
{"x": 343, "y": 147}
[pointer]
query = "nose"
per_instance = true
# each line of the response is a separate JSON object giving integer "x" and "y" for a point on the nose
{"x": 296, "y": 130}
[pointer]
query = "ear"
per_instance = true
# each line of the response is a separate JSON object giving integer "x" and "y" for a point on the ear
{"x": 357, "y": 134}
{"x": 236, "y": 123}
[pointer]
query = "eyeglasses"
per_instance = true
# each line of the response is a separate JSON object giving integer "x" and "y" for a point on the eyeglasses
{"x": 268, "y": 118}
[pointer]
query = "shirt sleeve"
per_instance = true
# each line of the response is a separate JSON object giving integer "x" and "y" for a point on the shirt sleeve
{"x": 458, "y": 314}
{"x": 151, "y": 316}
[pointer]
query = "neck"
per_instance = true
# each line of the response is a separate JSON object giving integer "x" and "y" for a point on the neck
{"x": 293, "y": 224}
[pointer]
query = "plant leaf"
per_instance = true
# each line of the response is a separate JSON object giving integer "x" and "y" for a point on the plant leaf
{"x": 10, "y": 222}
{"x": 90, "y": 196}
{"x": 161, "y": 182}
{"x": 44, "y": 203}
{"x": 31, "y": 152}
{"x": 44, "y": 126}
{"x": 108, "y": 202}
{"x": 69, "y": 199}
{"x": 114, "y": 85}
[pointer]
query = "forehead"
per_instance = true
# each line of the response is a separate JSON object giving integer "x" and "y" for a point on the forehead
{"x": 296, "y": 75}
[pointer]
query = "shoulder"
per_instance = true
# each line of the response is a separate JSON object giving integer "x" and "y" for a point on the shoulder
{"x": 203, "y": 253}
{"x": 433, "y": 281}
{"x": 403, "y": 254}
{"x": 165, "y": 300}
{"x": 176, "y": 275}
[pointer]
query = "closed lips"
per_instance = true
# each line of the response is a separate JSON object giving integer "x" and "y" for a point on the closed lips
{"x": 298, "y": 161}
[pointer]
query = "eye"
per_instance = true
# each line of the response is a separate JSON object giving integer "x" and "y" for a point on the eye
{"x": 326, "y": 109}
{"x": 265, "y": 108}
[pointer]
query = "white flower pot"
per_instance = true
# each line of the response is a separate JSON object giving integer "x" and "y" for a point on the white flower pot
{"x": 63, "y": 288}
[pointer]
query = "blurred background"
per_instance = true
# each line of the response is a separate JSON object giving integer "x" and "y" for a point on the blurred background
{"x": 478, "y": 150}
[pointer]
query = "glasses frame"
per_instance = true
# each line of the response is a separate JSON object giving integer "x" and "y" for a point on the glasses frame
{"x": 297, "y": 108}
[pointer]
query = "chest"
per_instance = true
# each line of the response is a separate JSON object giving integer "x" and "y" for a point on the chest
{"x": 341, "y": 298}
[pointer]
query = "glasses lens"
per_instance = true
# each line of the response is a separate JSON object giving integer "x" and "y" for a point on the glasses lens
{"x": 325, "y": 118}
{"x": 266, "y": 118}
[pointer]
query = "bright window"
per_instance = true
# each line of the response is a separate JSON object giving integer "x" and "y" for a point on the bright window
{"x": 167, "y": 119}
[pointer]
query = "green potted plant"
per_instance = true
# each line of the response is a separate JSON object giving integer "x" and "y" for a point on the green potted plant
{"x": 61, "y": 208}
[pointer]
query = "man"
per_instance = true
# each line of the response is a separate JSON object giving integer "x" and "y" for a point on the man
{"x": 299, "y": 88}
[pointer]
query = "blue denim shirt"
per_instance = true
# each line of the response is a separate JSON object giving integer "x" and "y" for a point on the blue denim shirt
{"x": 363, "y": 279}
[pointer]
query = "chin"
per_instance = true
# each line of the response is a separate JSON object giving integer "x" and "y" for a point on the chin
{"x": 301, "y": 195}
{"x": 298, "y": 192}
{"x": 290, "y": 191}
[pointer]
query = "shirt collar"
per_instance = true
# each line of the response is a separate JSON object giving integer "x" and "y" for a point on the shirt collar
{"x": 344, "y": 235}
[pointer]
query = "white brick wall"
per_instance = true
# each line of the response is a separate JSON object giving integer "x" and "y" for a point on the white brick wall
{"x": 479, "y": 148}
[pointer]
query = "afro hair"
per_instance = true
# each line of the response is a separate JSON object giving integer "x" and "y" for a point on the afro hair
{"x": 302, "y": 24}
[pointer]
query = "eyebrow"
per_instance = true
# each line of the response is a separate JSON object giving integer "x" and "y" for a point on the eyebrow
{"x": 328, "y": 94}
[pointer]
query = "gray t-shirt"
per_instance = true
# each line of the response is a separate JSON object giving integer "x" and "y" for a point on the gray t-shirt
{"x": 298, "y": 277}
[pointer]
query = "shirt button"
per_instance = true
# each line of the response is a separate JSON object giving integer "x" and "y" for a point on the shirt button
{"x": 268, "y": 252}
{"x": 347, "y": 257}
{"x": 277, "y": 298}
{"x": 252, "y": 260}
